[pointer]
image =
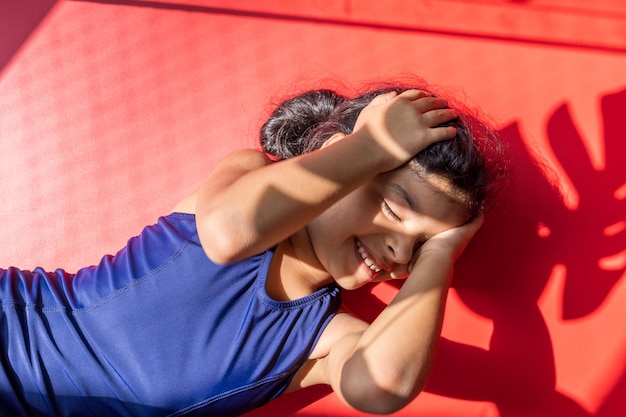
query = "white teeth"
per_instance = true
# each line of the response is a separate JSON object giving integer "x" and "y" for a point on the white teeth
{"x": 366, "y": 259}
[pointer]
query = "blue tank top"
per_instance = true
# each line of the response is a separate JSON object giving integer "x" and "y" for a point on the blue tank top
{"x": 156, "y": 330}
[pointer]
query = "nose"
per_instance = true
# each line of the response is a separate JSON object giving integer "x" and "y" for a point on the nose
{"x": 401, "y": 248}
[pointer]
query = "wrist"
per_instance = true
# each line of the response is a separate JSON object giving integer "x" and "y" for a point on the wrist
{"x": 381, "y": 158}
{"x": 432, "y": 264}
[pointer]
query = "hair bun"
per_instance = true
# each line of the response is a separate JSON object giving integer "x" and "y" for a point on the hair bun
{"x": 285, "y": 134}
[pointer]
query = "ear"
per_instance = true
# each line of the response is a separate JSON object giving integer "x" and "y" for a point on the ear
{"x": 334, "y": 138}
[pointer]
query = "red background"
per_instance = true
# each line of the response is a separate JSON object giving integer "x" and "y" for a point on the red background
{"x": 112, "y": 110}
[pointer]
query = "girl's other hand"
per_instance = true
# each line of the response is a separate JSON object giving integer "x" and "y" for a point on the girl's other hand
{"x": 455, "y": 240}
{"x": 450, "y": 244}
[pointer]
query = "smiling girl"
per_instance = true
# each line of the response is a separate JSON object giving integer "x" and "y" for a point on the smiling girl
{"x": 234, "y": 298}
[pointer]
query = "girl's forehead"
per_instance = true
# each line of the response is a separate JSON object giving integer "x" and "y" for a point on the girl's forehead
{"x": 422, "y": 191}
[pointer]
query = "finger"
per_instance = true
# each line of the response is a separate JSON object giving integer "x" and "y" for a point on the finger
{"x": 475, "y": 223}
{"x": 383, "y": 98}
{"x": 399, "y": 272}
{"x": 413, "y": 261}
{"x": 425, "y": 104}
{"x": 414, "y": 94}
{"x": 438, "y": 117}
{"x": 439, "y": 134}
{"x": 478, "y": 219}
{"x": 469, "y": 229}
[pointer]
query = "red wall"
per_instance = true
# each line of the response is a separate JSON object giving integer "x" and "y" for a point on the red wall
{"x": 110, "y": 111}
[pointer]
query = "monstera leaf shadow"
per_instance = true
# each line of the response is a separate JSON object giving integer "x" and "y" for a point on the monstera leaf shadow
{"x": 506, "y": 268}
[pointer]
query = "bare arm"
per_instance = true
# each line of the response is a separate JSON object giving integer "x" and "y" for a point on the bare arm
{"x": 247, "y": 211}
{"x": 249, "y": 203}
{"x": 383, "y": 368}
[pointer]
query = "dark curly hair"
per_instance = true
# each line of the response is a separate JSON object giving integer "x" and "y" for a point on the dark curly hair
{"x": 474, "y": 161}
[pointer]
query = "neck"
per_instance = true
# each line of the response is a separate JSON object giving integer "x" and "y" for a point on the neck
{"x": 295, "y": 271}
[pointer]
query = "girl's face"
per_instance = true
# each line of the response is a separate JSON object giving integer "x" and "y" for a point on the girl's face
{"x": 373, "y": 233}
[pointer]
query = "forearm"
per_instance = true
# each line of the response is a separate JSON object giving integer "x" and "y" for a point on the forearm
{"x": 406, "y": 332}
{"x": 264, "y": 206}
{"x": 269, "y": 204}
{"x": 390, "y": 362}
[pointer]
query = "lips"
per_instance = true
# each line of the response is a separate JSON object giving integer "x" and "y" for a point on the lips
{"x": 367, "y": 258}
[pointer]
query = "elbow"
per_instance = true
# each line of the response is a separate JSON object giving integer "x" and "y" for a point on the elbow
{"x": 218, "y": 250}
{"x": 383, "y": 392}
{"x": 376, "y": 399}
{"x": 220, "y": 245}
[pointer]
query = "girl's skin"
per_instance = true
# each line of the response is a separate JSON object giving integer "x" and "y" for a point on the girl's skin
{"x": 345, "y": 213}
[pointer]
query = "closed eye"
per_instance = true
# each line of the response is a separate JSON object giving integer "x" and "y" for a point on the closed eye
{"x": 389, "y": 212}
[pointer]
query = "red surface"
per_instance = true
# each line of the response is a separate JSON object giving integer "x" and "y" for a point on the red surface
{"x": 110, "y": 111}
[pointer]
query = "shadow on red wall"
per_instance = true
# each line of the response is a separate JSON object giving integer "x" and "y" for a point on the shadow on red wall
{"x": 18, "y": 20}
{"x": 506, "y": 269}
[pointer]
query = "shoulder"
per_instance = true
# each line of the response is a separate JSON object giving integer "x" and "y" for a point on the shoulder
{"x": 233, "y": 167}
{"x": 237, "y": 164}
{"x": 227, "y": 170}
{"x": 247, "y": 159}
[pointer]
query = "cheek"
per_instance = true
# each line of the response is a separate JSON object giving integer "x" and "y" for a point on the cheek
{"x": 331, "y": 231}
{"x": 353, "y": 216}
{"x": 328, "y": 229}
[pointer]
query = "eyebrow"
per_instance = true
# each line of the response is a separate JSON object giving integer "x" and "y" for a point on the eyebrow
{"x": 405, "y": 196}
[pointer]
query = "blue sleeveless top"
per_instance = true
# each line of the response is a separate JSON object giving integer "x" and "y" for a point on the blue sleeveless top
{"x": 156, "y": 330}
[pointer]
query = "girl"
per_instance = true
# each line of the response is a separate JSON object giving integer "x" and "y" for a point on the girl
{"x": 233, "y": 299}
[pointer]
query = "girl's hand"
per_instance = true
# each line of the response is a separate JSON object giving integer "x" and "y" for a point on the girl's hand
{"x": 402, "y": 125}
{"x": 455, "y": 240}
{"x": 450, "y": 244}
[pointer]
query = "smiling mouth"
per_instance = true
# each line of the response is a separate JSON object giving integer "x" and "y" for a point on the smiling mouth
{"x": 375, "y": 268}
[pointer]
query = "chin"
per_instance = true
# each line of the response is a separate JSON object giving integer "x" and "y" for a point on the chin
{"x": 350, "y": 283}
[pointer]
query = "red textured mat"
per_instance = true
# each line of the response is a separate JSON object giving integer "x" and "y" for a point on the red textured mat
{"x": 110, "y": 111}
